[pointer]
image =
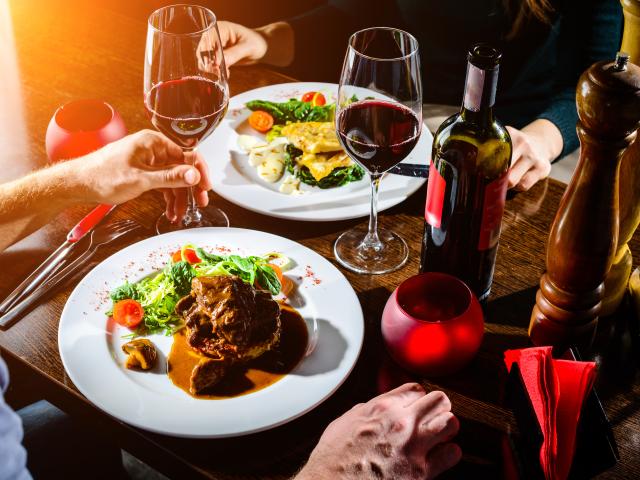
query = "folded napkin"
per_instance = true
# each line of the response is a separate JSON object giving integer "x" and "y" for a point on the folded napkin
{"x": 557, "y": 389}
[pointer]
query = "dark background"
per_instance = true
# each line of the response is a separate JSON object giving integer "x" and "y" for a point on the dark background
{"x": 252, "y": 13}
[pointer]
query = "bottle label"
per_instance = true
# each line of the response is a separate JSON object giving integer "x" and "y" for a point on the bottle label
{"x": 435, "y": 197}
{"x": 495, "y": 195}
{"x": 480, "y": 88}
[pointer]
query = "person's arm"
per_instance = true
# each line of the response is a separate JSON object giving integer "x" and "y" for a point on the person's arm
{"x": 310, "y": 45}
{"x": 590, "y": 32}
{"x": 115, "y": 174}
{"x": 13, "y": 457}
{"x": 403, "y": 433}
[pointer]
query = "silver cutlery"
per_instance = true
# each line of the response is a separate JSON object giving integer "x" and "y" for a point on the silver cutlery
{"x": 101, "y": 235}
{"x": 57, "y": 258}
{"x": 417, "y": 170}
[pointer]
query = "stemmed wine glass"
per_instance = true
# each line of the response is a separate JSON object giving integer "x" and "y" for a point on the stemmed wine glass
{"x": 185, "y": 90}
{"x": 378, "y": 122}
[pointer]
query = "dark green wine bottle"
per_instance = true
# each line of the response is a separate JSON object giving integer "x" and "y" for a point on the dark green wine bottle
{"x": 468, "y": 182}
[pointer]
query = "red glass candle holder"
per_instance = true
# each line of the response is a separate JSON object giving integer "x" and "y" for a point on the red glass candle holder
{"x": 433, "y": 324}
{"x": 82, "y": 126}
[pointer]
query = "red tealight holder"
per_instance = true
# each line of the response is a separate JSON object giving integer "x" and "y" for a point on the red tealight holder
{"x": 433, "y": 324}
{"x": 81, "y": 127}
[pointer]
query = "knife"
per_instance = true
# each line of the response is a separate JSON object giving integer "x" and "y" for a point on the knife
{"x": 57, "y": 258}
{"x": 417, "y": 170}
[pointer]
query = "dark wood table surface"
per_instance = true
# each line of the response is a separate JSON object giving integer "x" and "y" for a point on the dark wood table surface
{"x": 59, "y": 51}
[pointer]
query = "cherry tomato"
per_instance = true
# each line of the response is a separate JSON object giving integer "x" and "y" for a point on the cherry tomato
{"x": 128, "y": 313}
{"x": 318, "y": 100}
{"x": 307, "y": 97}
{"x": 261, "y": 121}
{"x": 190, "y": 255}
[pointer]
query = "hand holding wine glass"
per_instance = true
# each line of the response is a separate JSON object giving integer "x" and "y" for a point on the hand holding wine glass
{"x": 186, "y": 97}
{"x": 378, "y": 121}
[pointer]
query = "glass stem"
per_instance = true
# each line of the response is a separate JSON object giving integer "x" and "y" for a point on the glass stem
{"x": 192, "y": 214}
{"x": 371, "y": 240}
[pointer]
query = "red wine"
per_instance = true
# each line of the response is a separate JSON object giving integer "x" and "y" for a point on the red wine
{"x": 186, "y": 110}
{"x": 377, "y": 134}
{"x": 468, "y": 182}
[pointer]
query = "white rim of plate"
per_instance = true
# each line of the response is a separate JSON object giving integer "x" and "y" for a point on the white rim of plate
{"x": 74, "y": 327}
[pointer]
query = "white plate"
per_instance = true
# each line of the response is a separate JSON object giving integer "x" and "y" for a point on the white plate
{"x": 237, "y": 181}
{"x": 90, "y": 346}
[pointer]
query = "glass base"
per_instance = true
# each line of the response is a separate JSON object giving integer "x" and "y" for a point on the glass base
{"x": 354, "y": 254}
{"x": 210, "y": 217}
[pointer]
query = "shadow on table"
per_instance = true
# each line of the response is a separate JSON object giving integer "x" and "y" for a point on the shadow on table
{"x": 513, "y": 309}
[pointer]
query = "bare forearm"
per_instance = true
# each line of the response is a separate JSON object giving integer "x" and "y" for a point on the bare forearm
{"x": 280, "y": 43}
{"x": 29, "y": 203}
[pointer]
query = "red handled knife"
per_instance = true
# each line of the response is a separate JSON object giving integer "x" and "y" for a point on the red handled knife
{"x": 57, "y": 258}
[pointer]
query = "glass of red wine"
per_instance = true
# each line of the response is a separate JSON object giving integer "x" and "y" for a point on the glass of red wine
{"x": 378, "y": 122}
{"x": 186, "y": 93}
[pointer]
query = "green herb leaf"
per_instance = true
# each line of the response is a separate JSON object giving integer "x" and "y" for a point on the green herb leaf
{"x": 124, "y": 291}
{"x": 208, "y": 257}
{"x": 268, "y": 279}
{"x": 181, "y": 273}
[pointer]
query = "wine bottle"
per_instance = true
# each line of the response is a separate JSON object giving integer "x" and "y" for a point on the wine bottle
{"x": 468, "y": 181}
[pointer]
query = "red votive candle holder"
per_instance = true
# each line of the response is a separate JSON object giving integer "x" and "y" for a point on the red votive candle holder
{"x": 433, "y": 324}
{"x": 81, "y": 127}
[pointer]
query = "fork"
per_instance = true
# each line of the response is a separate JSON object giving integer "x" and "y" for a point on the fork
{"x": 101, "y": 235}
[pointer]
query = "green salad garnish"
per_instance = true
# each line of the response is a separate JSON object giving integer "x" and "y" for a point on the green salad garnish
{"x": 158, "y": 294}
{"x": 294, "y": 111}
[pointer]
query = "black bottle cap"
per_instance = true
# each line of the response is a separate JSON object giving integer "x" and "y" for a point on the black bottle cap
{"x": 484, "y": 56}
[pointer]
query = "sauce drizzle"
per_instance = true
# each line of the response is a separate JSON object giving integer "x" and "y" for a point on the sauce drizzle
{"x": 253, "y": 376}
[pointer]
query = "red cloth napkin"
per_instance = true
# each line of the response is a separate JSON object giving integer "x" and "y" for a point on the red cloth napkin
{"x": 557, "y": 389}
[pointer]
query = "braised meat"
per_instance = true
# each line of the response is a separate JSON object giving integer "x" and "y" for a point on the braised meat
{"x": 228, "y": 321}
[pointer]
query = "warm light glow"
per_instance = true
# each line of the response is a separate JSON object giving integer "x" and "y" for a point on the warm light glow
{"x": 13, "y": 130}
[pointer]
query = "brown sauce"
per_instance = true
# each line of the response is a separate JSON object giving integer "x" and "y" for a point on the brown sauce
{"x": 253, "y": 376}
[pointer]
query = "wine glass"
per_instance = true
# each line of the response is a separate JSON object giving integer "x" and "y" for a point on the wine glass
{"x": 378, "y": 122}
{"x": 186, "y": 93}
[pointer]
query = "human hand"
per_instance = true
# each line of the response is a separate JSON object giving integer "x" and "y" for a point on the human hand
{"x": 534, "y": 148}
{"x": 400, "y": 434}
{"x": 272, "y": 44}
{"x": 143, "y": 161}
{"x": 241, "y": 45}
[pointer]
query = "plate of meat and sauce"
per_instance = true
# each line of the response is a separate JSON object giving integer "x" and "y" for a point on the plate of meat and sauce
{"x": 211, "y": 332}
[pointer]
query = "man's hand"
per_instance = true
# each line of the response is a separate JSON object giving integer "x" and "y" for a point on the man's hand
{"x": 144, "y": 161}
{"x": 272, "y": 44}
{"x": 534, "y": 148}
{"x": 400, "y": 434}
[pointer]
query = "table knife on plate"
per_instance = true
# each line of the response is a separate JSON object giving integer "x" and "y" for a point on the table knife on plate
{"x": 56, "y": 259}
{"x": 417, "y": 170}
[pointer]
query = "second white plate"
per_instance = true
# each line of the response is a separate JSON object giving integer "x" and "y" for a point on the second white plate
{"x": 237, "y": 181}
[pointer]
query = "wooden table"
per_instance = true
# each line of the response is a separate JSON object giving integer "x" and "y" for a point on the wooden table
{"x": 62, "y": 53}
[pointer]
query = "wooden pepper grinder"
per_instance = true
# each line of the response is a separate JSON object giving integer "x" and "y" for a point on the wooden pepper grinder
{"x": 584, "y": 233}
{"x": 615, "y": 284}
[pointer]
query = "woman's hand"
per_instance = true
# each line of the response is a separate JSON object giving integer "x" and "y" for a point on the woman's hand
{"x": 534, "y": 148}
{"x": 144, "y": 161}
{"x": 400, "y": 434}
{"x": 272, "y": 44}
